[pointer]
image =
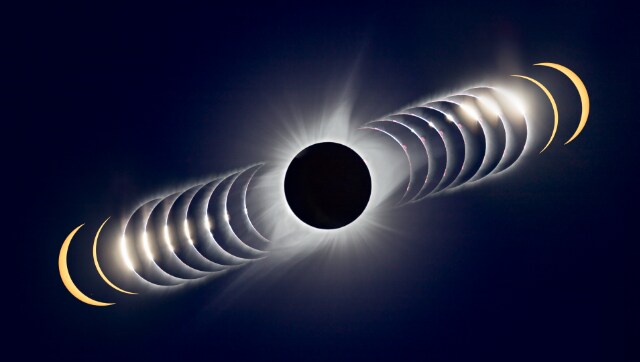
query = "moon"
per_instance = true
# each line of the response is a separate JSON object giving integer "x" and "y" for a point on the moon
{"x": 66, "y": 278}
{"x": 327, "y": 185}
{"x": 95, "y": 260}
{"x": 582, "y": 90}
{"x": 553, "y": 105}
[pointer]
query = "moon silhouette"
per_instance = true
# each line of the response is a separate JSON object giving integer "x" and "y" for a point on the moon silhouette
{"x": 95, "y": 261}
{"x": 327, "y": 185}
{"x": 66, "y": 278}
{"x": 553, "y": 104}
{"x": 582, "y": 90}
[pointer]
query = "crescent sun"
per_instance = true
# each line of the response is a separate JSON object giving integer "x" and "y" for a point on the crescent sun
{"x": 582, "y": 90}
{"x": 95, "y": 261}
{"x": 553, "y": 105}
{"x": 66, "y": 278}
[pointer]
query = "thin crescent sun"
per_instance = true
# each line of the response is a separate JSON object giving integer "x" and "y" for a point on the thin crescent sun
{"x": 553, "y": 105}
{"x": 66, "y": 278}
{"x": 582, "y": 90}
{"x": 95, "y": 261}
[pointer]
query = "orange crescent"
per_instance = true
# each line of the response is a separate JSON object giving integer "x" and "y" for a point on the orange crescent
{"x": 66, "y": 277}
{"x": 582, "y": 90}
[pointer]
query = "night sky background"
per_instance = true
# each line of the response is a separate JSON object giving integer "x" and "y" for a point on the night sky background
{"x": 107, "y": 104}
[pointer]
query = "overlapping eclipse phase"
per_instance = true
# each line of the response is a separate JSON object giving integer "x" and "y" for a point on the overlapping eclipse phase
{"x": 209, "y": 228}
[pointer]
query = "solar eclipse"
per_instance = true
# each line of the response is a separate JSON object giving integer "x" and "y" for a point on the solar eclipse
{"x": 324, "y": 186}
{"x": 327, "y": 185}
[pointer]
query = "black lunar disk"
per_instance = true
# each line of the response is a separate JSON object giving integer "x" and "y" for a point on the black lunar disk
{"x": 327, "y": 185}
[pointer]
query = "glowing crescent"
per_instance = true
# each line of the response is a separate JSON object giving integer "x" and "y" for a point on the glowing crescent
{"x": 582, "y": 90}
{"x": 553, "y": 105}
{"x": 66, "y": 278}
{"x": 95, "y": 260}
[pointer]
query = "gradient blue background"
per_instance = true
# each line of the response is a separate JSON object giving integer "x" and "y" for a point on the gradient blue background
{"x": 109, "y": 102}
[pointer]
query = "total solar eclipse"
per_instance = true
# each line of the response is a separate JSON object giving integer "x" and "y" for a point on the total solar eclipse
{"x": 207, "y": 227}
{"x": 327, "y": 185}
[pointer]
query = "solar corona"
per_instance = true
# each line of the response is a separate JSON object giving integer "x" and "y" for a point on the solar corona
{"x": 325, "y": 185}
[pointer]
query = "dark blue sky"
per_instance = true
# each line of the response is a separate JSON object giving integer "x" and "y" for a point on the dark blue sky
{"x": 108, "y": 102}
